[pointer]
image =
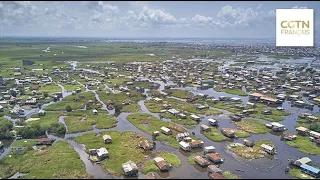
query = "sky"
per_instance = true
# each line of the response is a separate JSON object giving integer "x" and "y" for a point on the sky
{"x": 143, "y": 19}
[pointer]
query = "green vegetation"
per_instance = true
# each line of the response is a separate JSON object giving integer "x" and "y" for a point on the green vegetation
{"x": 179, "y": 93}
{"x": 142, "y": 84}
{"x": 68, "y": 108}
{"x": 77, "y": 124}
{"x": 251, "y": 153}
{"x": 189, "y": 126}
{"x": 124, "y": 147}
{"x": 215, "y": 135}
{"x": 119, "y": 98}
{"x": 150, "y": 165}
{"x": 236, "y": 92}
{"x": 252, "y": 126}
{"x": 231, "y": 91}
{"x": 117, "y": 81}
{"x": 28, "y": 143}
{"x": 191, "y": 159}
{"x": 149, "y": 124}
{"x": 300, "y": 120}
{"x": 5, "y": 128}
{"x": 71, "y": 87}
{"x": 153, "y": 106}
{"x": 45, "y": 121}
{"x": 315, "y": 126}
{"x": 297, "y": 173}
{"x": 44, "y": 163}
{"x": 77, "y": 101}
{"x": 81, "y": 121}
{"x": 50, "y": 88}
{"x": 96, "y": 51}
{"x": 57, "y": 128}
{"x": 31, "y": 131}
{"x": 131, "y": 108}
{"x": 241, "y": 133}
{"x": 229, "y": 175}
{"x": 275, "y": 116}
{"x": 191, "y": 108}
{"x": 304, "y": 145}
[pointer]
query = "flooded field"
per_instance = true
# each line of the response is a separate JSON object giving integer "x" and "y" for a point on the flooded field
{"x": 270, "y": 167}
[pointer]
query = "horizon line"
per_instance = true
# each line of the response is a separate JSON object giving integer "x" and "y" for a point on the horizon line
{"x": 138, "y": 37}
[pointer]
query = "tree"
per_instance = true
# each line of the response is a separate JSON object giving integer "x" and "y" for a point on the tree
{"x": 315, "y": 126}
{"x": 34, "y": 130}
{"x": 68, "y": 108}
{"x": 105, "y": 72}
{"x": 5, "y": 128}
{"x": 22, "y": 92}
{"x": 13, "y": 93}
{"x": 118, "y": 107}
{"x": 57, "y": 128}
{"x": 45, "y": 94}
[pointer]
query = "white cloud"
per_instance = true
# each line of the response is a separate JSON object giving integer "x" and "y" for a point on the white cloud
{"x": 15, "y": 13}
{"x": 96, "y": 18}
{"x": 201, "y": 19}
{"x": 149, "y": 18}
{"x": 103, "y": 16}
{"x": 239, "y": 17}
{"x": 229, "y": 17}
{"x": 101, "y": 6}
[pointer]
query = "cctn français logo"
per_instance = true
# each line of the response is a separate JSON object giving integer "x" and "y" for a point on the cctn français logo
{"x": 294, "y": 27}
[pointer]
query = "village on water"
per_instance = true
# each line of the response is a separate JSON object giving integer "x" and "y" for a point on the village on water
{"x": 111, "y": 109}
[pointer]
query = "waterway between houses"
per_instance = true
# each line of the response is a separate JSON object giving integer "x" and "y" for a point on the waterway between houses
{"x": 262, "y": 168}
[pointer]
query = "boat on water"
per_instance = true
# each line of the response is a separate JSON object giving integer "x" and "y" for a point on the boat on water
{"x": 240, "y": 170}
{"x": 1, "y": 144}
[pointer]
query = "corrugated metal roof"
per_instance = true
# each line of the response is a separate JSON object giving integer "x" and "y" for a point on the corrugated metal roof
{"x": 265, "y": 146}
{"x": 269, "y": 99}
{"x": 300, "y": 128}
{"x": 310, "y": 168}
{"x": 214, "y": 156}
{"x": 162, "y": 164}
{"x": 158, "y": 159}
{"x": 216, "y": 176}
{"x": 105, "y": 137}
{"x": 257, "y": 94}
{"x": 214, "y": 168}
{"x": 165, "y": 129}
{"x": 129, "y": 166}
{"x": 184, "y": 144}
{"x": 102, "y": 151}
{"x": 304, "y": 160}
{"x": 200, "y": 159}
{"x": 44, "y": 140}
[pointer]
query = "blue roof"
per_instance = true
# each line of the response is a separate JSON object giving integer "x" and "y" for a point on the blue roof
{"x": 310, "y": 168}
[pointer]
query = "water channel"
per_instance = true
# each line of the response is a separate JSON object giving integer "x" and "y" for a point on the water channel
{"x": 262, "y": 168}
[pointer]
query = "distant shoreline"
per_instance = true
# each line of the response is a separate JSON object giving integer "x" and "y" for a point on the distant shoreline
{"x": 189, "y": 40}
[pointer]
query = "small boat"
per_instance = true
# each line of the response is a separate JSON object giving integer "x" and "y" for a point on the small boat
{"x": 287, "y": 169}
{"x": 1, "y": 144}
{"x": 240, "y": 170}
